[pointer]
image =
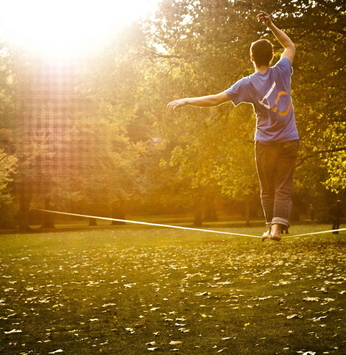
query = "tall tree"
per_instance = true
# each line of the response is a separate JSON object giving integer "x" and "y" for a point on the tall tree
{"x": 8, "y": 161}
{"x": 201, "y": 51}
{"x": 319, "y": 88}
{"x": 113, "y": 85}
{"x": 191, "y": 35}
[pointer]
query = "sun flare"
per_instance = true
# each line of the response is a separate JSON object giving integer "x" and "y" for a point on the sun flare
{"x": 67, "y": 27}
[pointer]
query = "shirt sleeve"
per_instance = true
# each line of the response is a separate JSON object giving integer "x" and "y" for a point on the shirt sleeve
{"x": 238, "y": 92}
{"x": 284, "y": 65}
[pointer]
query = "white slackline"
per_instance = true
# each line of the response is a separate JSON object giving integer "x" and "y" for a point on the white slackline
{"x": 150, "y": 224}
{"x": 184, "y": 228}
{"x": 312, "y": 233}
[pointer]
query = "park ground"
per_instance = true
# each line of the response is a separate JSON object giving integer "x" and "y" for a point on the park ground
{"x": 143, "y": 289}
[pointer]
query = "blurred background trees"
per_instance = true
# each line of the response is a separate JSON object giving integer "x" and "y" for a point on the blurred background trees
{"x": 93, "y": 136}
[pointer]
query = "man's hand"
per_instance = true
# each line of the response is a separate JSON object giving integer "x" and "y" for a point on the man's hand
{"x": 264, "y": 18}
{"x": 176, "y": 103}
{"x": 285, "y": 41}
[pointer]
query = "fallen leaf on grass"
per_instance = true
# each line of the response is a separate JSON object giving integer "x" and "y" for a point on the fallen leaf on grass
{"x": 281, "y": 302}
{"x": 180, "y": 319}
{"x": 311, "y": 299}
{"x": 293, "y": 316}
{"x": 13, "y": 331}
{"x": 129, "y": 285}
{"x": 184, "y": 330}
{"x": 264, "y": 298}
{"x": 152, "y": 343}
{"x": 152, "y": 347}
{"x": 317, "y": 319}
{"x": 205, "y": 293}
{"x": 206, "y": 315}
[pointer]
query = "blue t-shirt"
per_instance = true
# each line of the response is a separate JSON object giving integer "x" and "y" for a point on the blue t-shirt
{"x": 270, "y": 95}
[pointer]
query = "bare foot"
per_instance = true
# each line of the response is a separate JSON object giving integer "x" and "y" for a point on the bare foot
{"x": 266, "y": 235}
{"x": 275, "y": 232}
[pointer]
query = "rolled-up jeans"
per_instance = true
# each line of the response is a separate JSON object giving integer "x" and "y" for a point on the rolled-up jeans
{"x": 275, "y": 168}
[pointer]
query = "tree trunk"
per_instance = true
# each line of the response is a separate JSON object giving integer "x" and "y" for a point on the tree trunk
{"x": 210, "y": 210}
{"x": 92, "y": 222}
{"x": 48, "y": 218}
{"x": 247, "y": 212}
{"x": 198, "y": 212}
{"x": 23, "y": 213}
{"x": 118, "y": 212}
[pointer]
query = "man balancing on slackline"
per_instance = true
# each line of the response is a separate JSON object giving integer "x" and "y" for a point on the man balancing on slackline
{"x": 276, "y": 137}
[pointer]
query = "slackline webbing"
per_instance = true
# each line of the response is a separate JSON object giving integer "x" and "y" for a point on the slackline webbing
{"x": 312, "y": 233}
{"x": 149, "y": 224}
{"x": 183, "y": 228}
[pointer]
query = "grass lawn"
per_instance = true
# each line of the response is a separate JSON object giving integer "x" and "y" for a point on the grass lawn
{"x": 137, "y": 290}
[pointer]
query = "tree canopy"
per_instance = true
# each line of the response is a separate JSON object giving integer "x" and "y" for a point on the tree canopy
{"x": 93, "y": 135}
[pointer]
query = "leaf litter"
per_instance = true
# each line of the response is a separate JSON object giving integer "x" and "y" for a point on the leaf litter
{"x": 151, "y": 291}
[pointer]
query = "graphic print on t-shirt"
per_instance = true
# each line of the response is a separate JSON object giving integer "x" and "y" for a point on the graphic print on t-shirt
{"x": 282, "y": 107}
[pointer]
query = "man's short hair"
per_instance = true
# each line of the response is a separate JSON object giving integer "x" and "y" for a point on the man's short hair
{"x": 262, "y": 51}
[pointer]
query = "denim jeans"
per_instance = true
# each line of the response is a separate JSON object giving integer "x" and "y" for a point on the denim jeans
{"x": 275, "y": 167}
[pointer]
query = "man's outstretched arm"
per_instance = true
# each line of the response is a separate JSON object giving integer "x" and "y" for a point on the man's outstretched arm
{"x": 286, "y": 42}
{"x": 203, "y": 101}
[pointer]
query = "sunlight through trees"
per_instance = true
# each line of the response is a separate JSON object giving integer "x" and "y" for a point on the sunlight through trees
{"x": 90, "y": 133}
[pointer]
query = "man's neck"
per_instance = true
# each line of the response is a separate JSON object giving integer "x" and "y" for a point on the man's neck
{"x": 262, "y": 69}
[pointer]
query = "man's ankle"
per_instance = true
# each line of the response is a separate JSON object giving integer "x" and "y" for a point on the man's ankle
{"x": 276, "y": 229}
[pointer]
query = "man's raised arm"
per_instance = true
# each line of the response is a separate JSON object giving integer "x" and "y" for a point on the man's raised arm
{"x": 286, "y": 42}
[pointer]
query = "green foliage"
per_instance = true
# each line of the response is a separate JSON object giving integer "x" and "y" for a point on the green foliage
{"x": 8, "y": 165}
{"x": 336, "y": 165}
{"x": 7, "y": 100}
{"x": 8, "y": 160}
{"x": 204, "y": 52}
{"x": 319, "y": 85}
{"x": 102, "y": 124}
